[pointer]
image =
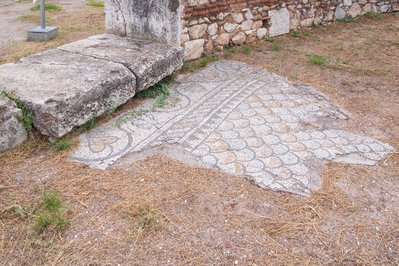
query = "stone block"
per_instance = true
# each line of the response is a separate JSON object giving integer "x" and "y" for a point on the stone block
{"x": 239, "y": 39}
{"x": 150, "y": 62}
{"x": 12, "y": 132}
{"x": 279, "y": 22}
{"x": 340, "y": 13}
{"x": 194, "y": 49}
{"x": 64, "y": 90}
{"x": 43, "y": 35}
{"x": 155, "y": 20}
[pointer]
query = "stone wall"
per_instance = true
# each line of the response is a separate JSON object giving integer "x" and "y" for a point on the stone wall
{"x": 209, "y": 25}
{"x": 203, "y": 26}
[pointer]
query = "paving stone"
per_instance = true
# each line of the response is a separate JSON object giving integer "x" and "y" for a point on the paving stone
{"x": 12, "y": 132}
{"x": 150, "y": 62}
{"x": 223, "y": 118}
{"x": 64, "y": 90}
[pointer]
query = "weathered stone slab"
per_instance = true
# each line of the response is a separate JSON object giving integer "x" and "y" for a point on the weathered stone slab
{"x": 150, "y": 62}
{"x": 155, "y": 20}
{"x": 279, "y": 22}
{"x": 65, "y": 90}
{"x": 12, "y": 132}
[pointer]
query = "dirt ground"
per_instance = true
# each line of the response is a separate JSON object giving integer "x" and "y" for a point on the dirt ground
{"x": 75, "y": 21}
{"x": 162, "y": 212}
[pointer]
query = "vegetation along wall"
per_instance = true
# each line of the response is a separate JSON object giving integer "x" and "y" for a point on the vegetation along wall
{"x": 209, "y": 25}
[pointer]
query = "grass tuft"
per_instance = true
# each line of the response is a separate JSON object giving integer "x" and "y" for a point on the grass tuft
{"x": 317, "y": 60}
{"x": 34, "y": 18}
{"x": 295, "y": 34}
{"x": 347, "y": 19}
{"x": 246, "y": 50}
{"x": 62, "y": 145}
{"x": 191, "y": 66}
{"x": 90, "y": 124}
{"x": 373, "y": 15}
{"x": 147, "y": 219}
{"x": 95, "y": 3}
{"x": 47, "y": 7}
{"x": 50, "y": 212}
{"x": 276, "y": 46}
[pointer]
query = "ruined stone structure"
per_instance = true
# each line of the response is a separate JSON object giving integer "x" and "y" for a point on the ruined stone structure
{"x": 207, "y": 25}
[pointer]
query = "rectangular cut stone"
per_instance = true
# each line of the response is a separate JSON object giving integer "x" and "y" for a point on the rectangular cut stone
{"x": 150, "y": 62}
{"x": 12, "y": 131}
{"x": 65, "y": 90}
{"x": 155, "y": 20}
{"x": 279, "y": 22}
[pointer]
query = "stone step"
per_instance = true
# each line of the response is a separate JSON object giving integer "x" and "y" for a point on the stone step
{"x": 65, "y": 87}
{"x": 150, "y": 62}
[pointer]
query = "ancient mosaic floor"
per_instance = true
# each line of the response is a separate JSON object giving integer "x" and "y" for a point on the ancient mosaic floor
{"x": 244, "y": 121}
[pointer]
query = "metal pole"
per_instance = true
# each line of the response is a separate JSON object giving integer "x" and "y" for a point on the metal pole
{"x": 42, "y": 15}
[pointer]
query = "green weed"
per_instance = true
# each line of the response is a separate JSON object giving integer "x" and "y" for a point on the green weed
{"x": 317, "y": 60}
{"x": 61, "y": 145}
{"x": 50, "y": 212}
{"x": 373, "y": 15}
{"x": 95, "y": 3}
{"x": 26, "y": 118}
{"x": 90, "y": 124}
{"x": 347, "y": 19}
{"x": 230, "y": 52}
{"x": 47, "y": 7}
{"x": 295, "y": 34}
{"x": 191, "y": 66}
{"x": 246, "y": 50}
{"x": 35, "y": 18}
{"x": 276, "y": 46}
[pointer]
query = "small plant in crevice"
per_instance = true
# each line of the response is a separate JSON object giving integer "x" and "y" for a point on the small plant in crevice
{"x": 317, "y": 60}
{"x": 113, "y": 108}
{"x": 159, "y": 91}
{"x": 347, "y": 19}
{"x": 373, "y": 15}
{"x": 26, "y": 117}
{"x": 50, "y": 213}
{"x": 160, "y": 101}
{"x": 61, "y": 145}
{"x": 90, "y": 124}
{"x": 190, "y": 66}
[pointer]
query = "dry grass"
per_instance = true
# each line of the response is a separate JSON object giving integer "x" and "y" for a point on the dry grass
{"x": 75, "y": 26}
{"x": 161, "y": 211}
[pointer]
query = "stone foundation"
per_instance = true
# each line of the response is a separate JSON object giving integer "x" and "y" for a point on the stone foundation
{"x": 217, "y": 24}
{"x": 207, "y": 25}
